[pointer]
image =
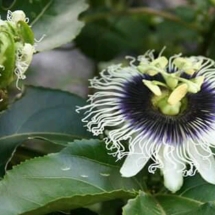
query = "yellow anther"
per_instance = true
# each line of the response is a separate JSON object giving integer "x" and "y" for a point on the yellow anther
{"x": 177, "y": 94}
{"x": 189, "y": 71}
{"x": 151, "y": 68}
{"x": 199, "y": 80}
{"x": 152, "y": 72}
{"x": 147, "y": 69}
{"x": 182, "y": 63}
{"x": 194, "y": 85}
{"x": 196, "y": 64}
{"x": 188, "y": 65}
{"x": 153, "y": 87}
{"x": 158, "y": 83}
{"x": 160, "y": 62}
{"x": 195, "y": 67}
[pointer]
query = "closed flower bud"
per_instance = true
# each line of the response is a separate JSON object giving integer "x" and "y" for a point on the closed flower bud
{"x": 16, "y": 47}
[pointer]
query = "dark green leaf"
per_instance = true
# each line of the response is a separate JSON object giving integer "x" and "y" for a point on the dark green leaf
{"x": 192, "y": 199}
{"x": 198, "y": 189}
{"x": 112, "y": 207}
{"x": 205, "y": 209}
{"x": 81, "y": 174}
{"x": 146, "y": 204}
{"x": 40, "y": 112}
{"x": 102, "y": 40}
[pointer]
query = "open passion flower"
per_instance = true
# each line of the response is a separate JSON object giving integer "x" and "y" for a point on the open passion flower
{"x": 163, "y": 109}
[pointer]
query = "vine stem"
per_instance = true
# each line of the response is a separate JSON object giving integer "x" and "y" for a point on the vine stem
{"x": 140, "y": 10}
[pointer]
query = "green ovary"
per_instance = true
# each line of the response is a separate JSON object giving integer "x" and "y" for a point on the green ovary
{"x": 164, "y": 107}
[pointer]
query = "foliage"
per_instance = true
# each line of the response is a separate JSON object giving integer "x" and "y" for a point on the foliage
{"x": 49, "y": 162}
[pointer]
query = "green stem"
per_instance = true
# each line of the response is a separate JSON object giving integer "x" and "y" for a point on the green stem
{"x": 139, "y": 10}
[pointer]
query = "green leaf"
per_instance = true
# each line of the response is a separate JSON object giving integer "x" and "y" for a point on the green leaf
{"x": 81, "y": 174}
{"x": 146, "y": 204}
{"x": 111, "y": 37}
{"x": 205, "y": 209}
{"x": 40, "y": 112}
{"x": 198, "y": 189}
{"x": 56, "y": 19}
{"x": 191, "y": 199}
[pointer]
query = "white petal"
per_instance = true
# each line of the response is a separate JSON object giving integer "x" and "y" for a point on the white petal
{"x": 134, "y": 162}
{"x": 203, "y": 161}
{"x": 172, "y": 168}
{"x": 173, "y": 178}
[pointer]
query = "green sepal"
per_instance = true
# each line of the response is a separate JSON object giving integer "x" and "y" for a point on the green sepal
{"x": 25, "y": 32}
{"x": 7, "y": 59}
{"x": 8, "y": 27}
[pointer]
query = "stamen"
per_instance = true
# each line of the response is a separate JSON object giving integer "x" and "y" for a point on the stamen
{"x": 153, "y": 87}
{"x": 199, "y": 80}
{"x": 154, "y": 67}
{"x": 160, "y": 62}
{"x": 178, "y": 94}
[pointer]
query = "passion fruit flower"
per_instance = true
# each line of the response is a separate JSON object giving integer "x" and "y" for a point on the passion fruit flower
{"x": 163, "y": 109}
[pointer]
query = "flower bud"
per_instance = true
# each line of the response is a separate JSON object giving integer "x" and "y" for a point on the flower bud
{"x": 16, "y": 47}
